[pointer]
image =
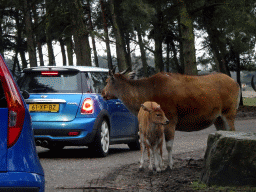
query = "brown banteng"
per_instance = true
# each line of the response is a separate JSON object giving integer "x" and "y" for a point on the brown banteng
{"x": 191, "y": 103}
{"x": 151, "y": 130}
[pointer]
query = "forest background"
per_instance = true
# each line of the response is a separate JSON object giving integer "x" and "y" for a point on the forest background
{"x": 162, "y": 33}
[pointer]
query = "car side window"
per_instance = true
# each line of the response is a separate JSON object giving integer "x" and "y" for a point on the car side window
{"x": 97, "y": 81}
{"x": 3, "y": 102}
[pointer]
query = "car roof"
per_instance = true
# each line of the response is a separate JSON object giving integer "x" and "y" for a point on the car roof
{"x": 67, "y": 68}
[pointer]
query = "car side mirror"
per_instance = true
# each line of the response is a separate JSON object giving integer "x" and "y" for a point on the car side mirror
{"x": 25, "y": 94}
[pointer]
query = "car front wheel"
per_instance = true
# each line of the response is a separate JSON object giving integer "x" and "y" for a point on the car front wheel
{"x": 101, "y": 142}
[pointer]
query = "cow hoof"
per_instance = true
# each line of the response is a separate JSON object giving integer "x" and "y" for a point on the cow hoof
{"x": 168, "y": 169}
{"x": 141, "y": 169}
{"x": 158, "y": 170}
{"x": 150, "y": 173}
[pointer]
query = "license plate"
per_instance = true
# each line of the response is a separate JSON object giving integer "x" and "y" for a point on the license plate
{"x": 44, "y": 108}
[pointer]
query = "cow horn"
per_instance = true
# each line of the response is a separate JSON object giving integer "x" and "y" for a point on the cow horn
{"x": 131, "y": 74}
{"x": 125, "y": 71}
{"x": 252, "y": 83}
{"x": 111, "y": 72}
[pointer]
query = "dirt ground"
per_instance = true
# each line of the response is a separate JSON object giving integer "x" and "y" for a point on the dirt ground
{"x": 187, "y": 169}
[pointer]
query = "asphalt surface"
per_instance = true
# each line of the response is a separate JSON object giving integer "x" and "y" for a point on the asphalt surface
{"x": 76, "y": 167}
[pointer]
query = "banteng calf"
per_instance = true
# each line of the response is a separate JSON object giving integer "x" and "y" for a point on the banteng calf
{"x": 151, "y": 120}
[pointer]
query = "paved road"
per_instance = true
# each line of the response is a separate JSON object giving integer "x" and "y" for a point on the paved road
{"x": 74, "y": 166}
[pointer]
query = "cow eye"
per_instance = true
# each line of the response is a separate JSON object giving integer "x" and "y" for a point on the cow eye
{"x": 158, "y": 115}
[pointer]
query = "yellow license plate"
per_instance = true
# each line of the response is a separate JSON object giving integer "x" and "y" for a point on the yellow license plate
{"x": 44, "y": 107}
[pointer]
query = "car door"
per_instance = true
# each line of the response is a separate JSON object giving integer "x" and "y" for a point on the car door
{"x": 3, "y": 130}
{"x": 121, "y": 120}
{"x": 126, "y": 120}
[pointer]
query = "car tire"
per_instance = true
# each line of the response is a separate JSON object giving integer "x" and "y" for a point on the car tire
{"x": 100, "y": 146}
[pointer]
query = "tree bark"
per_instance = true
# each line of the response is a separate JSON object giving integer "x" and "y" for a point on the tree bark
{"x": 238, "y": 76}
{"x": 49, "y": 35}
{"x": 121, "y": 60}
{"x": 29, "y": 33}
{"x": 110, "y": 65}
{"x": 92, "y": 35}
{"x": 81, "y": 38}
{"x": 181, "y": 47}
{"x": 39, "y": 44}
{"x": 128, "y": 50}
{"x": 1, "y": 35}
{"x": 187, "y": 38}
{"x": 158, "y": 37}
{"x": 23, "y": 58}
{"x": 143, "y": 53}
{"x": 63, "y": 52}
{"x": 218, "y": 48}
{"x": 69, "y": 44}
{"x": 167, "y": 57}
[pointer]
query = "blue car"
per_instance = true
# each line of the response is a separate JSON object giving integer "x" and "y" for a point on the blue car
{"x": 20, "y": 168}
{"x": 67, "y": 109}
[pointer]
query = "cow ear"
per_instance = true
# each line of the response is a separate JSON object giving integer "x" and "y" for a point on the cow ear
{"x": 145, "y": 108}
{"x": 125, "y": 71}
{"x": 131, "y": 75}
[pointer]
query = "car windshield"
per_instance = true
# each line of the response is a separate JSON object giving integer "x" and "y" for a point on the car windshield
{"x": 64, "y": 82}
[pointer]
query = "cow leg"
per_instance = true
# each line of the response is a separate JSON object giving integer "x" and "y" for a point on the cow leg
{"x": 157, "y": 158}
{"x": 150, "y": 153}
{"x": 231, "y": 123}
{"x": 169, "y": 132}
{"x": 169, "y": 146}
{"x": 142, "y": 149}
{"x": 220, "y": 124}
{"x": 160, "y": 149}
{"x": 225, "y": 122}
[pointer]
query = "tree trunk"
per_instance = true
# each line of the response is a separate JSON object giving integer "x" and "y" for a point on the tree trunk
{"x": 181, "y": 47}
{"x": 40, "y": 52}
{"x": 1, "y": 35}
{"x": 128, "y": 50}
{"x": 158, "y": 37}
{"x": 218, "y": 48}
{"x": 238, "y": 77}
{"x": 63, "y": 52}
{"x": 69, "y": 44}
{"x": 19, "y": 39}
{"x": 92, "y": 35}
{"x": 158, "y": 52}
{"x": 121, "y": 61}
{"x": 23, "y": 59}
{"x": 29, "y": 33}
{"x": 81, "y": 38}
{"x": 187, "y": 38}
{"x": 110, "y": 65}
{"x": 143, "y": 53}
{"x": 49, "y": 35}
{"x": 167, "y": 57}
{"x": 37, "y": 33}
{"x": 176, "y": 62}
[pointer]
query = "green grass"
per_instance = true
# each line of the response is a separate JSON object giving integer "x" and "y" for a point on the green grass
{"x": 249, "y": 101}
{"x": 197, "y": 186}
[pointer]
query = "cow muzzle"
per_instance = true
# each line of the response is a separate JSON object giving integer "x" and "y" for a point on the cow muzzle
{"x": 166, "y": 122}
{"x": 106, "y": 96}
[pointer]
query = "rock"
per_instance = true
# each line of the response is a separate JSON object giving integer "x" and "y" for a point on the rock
{"x": 230, "y": 159}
